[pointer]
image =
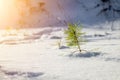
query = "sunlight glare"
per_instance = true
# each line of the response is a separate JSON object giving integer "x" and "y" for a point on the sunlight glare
{"x": 8, "y": 13}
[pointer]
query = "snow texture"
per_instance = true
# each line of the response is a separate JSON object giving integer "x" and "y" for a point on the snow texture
{"x": 41, "y": 59}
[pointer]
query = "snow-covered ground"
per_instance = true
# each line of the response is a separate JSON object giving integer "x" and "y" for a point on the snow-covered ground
{"x": 33, "y": 54}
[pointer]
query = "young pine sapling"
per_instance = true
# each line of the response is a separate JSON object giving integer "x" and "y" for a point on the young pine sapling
{"x": 74, "y": 36}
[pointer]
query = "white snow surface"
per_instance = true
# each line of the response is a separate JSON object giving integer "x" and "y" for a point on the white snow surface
{"x": 33, "y": 54}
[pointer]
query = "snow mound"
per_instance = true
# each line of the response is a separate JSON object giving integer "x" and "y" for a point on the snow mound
{"x": 113, "y": 59}
{"x": 85, "y": 55}
{"x": 17, "y": 74}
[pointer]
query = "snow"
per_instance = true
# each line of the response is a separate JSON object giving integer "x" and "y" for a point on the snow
{"x": 34, "y": 54}
{"x": 41, "y": 59}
